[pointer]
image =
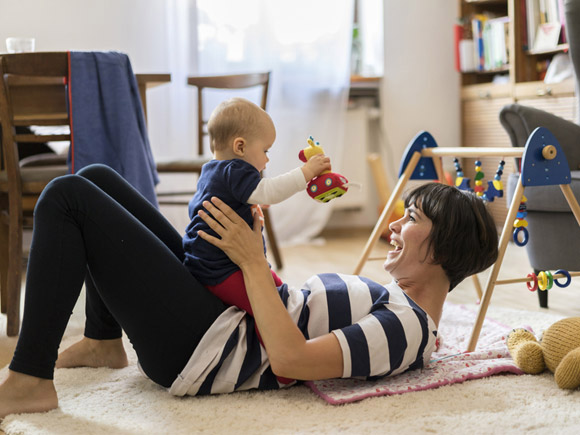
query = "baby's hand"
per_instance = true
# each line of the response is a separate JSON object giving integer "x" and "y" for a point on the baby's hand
{"x": 315, "y": 166}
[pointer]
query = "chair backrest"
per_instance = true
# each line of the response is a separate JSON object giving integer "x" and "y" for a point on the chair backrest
{"x": 33, "y": 92}
{"x": 236, "y": 81}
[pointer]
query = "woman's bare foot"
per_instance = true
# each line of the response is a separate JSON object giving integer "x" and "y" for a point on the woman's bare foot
{"x": 94, "y": 353}
{"x": 21, "y": 393}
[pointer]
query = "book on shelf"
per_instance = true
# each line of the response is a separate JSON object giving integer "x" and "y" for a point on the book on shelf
{"x": 466, "y": 55}
{"x": 523, "y": 27}
{"x": 496, "y": 50}
{"x": 532, "y": 20}
{"x": 547, "y": 36}
{"x": 545, "y": 24}
{"x": 477, "y": 24}
{"x": 457, "y": 37}
{"x": 562, "y": 19}
{"x": 490, "y": 42}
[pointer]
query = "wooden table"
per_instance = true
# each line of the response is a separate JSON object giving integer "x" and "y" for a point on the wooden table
{"x": 148, "y": 81}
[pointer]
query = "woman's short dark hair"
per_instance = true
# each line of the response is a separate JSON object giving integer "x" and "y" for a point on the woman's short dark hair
{"x": 463, "y": 239}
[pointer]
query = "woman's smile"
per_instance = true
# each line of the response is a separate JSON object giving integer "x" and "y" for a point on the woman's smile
{"x": 397, "y": 248}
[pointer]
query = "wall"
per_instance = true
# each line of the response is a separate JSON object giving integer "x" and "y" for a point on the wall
{"x": 420, "y": 90}
{"x": 133, "y": 26}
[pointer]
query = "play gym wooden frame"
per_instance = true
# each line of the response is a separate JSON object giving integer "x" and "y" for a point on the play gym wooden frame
{"x": 543, "y": 164}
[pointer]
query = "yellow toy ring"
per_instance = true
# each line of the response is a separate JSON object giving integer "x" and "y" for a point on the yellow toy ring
{"x": 542, "y": 281}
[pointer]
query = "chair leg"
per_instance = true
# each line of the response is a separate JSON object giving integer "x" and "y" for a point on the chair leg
{"x": 542, "y": 294}
{"x": 14, "y": 282}
{"x": 3, "y": 267}
{"x": 272, "y": 238}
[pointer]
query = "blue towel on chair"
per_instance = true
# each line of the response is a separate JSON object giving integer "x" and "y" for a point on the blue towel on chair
{"x": 108, "y": 123}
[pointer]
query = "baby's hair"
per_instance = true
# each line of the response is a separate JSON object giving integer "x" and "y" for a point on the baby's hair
{"x": 236, "y": 117}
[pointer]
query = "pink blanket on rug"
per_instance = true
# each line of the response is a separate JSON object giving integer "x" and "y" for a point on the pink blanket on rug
{"x": 449, "y": 364}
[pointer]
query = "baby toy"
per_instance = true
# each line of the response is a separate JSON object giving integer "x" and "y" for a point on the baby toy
{"x": 328, "y": 185}
{"x": 558, "y": 350}
{"x": 520, "y": 224}
{"x": 494, "y": 187}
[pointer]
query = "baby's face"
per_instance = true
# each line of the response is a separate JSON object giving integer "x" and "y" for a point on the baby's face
{"x": 256, "y": 152}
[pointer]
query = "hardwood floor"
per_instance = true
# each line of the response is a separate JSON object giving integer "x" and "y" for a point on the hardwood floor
{"x": 338, "y": 251}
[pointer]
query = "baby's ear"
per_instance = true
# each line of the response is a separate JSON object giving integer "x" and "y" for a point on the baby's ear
{"x": 239, "y": 146}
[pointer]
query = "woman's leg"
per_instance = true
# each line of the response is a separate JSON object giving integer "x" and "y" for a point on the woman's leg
{"x": 155, "y": 363}
{"x": 141, "y": 281}
{"x": 100, "y": 324}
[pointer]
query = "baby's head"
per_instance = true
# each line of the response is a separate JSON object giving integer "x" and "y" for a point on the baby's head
{"x": 240, "y": 129}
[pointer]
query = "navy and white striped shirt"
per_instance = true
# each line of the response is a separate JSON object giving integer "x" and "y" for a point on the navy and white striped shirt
{"x": 381, "y": 332}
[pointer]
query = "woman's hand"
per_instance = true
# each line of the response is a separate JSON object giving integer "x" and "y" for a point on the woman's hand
{"x": 241, "y": 243}
{"x": 290, "y": 354}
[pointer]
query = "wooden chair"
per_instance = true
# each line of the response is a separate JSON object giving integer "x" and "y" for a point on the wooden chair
{"x": 237, "y": 81}
{"x": 193, "y": 165}
{"x": 33, "y": 93}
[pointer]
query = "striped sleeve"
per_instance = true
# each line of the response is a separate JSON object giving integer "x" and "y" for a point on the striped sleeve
{"x": 391, "y": 339}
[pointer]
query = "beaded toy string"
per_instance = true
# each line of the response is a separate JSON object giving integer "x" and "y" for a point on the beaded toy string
{"x": 520, "y": 224}
{"x": 494, "y": 187}
{"x": 544, "y": 280}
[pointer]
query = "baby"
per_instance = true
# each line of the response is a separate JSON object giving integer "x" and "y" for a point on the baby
{"x": 240, "y": 134}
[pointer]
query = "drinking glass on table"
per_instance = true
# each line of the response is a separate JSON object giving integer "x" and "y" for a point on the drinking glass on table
{"x": 19, "y": 44}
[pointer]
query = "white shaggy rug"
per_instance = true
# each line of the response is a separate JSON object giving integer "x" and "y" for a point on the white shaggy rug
{"x": 104, "y": 401}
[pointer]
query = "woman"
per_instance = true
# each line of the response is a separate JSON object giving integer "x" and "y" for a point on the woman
{"x": 95, "y": 226}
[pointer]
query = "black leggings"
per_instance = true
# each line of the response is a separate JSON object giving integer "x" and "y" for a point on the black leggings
{"x": 95, "y": 227}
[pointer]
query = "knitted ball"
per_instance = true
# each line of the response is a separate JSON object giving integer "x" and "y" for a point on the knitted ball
{"x": 559, "y": 339}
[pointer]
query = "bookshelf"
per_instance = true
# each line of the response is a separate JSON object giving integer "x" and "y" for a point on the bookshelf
{"x": 519, "y": 79}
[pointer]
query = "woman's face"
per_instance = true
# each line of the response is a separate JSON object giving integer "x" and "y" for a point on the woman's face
{"x": 409, "y": 237}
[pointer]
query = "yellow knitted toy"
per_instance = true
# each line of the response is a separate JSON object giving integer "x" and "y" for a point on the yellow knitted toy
{"x": 559, "y": 351}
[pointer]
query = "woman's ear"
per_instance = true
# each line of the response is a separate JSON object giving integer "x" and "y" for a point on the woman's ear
{"x": 239, "y": 146}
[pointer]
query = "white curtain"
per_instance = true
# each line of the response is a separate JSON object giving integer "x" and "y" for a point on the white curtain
{"x": 171, "y": 108}
{"x": 306, "y": 45}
